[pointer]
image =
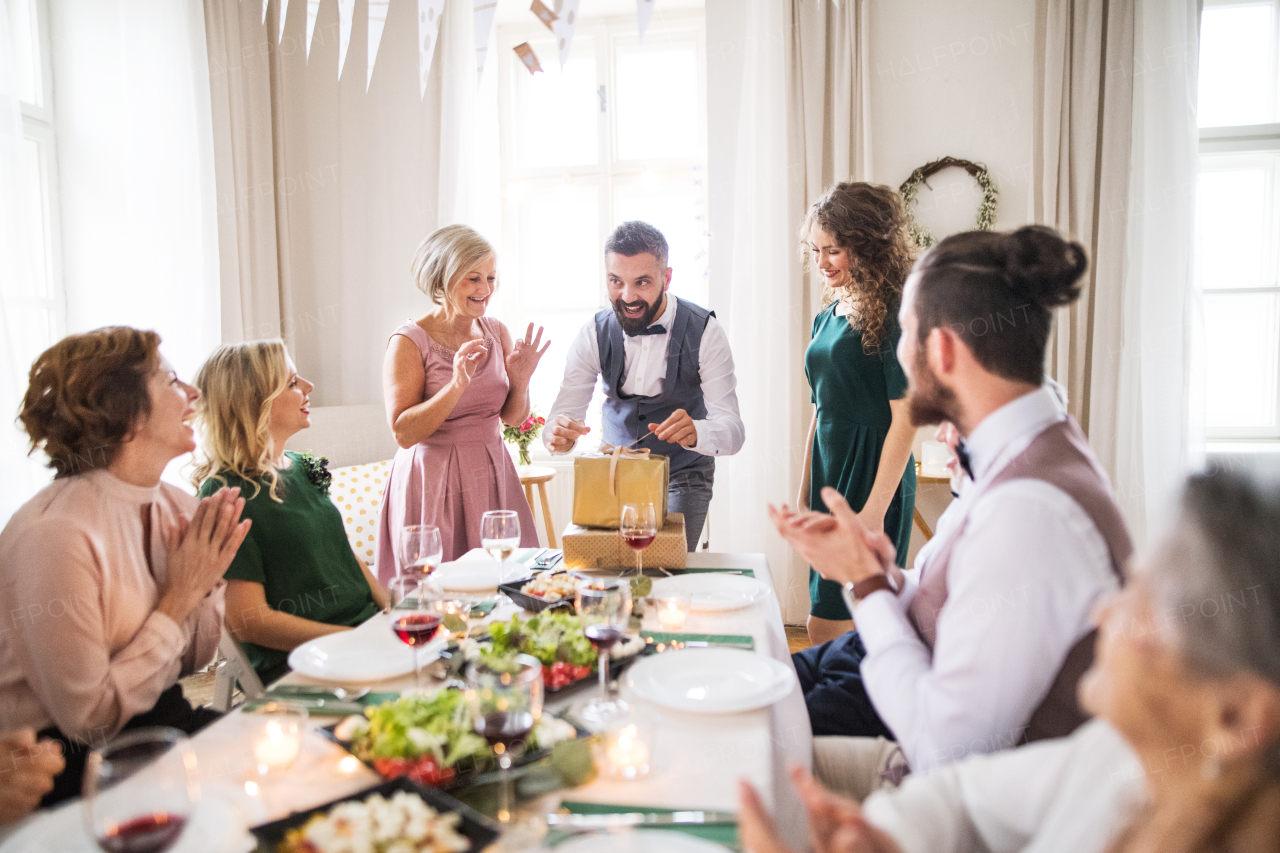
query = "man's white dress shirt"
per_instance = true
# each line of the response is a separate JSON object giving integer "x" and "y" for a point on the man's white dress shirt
{"x": 721, "y": 433}
{"x": 1021, "y": 588}
{"x": 1070, "y": 794}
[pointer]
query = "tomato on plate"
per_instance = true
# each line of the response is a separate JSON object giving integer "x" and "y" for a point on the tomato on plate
{"x": 424, "y": 770}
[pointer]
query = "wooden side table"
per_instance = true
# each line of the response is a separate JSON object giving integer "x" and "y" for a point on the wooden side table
{"x": 919, "y": 518}
{"x": 536, "y": 475}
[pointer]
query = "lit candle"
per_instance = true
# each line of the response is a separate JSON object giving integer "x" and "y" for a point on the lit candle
{"x": 672, "y": 612}
{"x": 627, "y": 753}
{"x": 279, "y": 748}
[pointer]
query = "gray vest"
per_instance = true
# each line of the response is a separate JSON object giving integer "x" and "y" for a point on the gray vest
{"x": 626, "y": 416}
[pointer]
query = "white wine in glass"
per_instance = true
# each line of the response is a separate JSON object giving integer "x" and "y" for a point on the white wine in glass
{"x": 500, "y": 536}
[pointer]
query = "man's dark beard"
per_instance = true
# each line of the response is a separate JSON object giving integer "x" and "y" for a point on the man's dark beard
{"x": 639, "y": 324}
{"x": 928, "y": 402}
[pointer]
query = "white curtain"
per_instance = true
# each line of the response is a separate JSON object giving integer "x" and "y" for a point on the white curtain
{"x": 1155, "y": 436}
{"x": 135, "y": 169}
{"x": 21, "y": 475}
{"x": 786, "y": 117}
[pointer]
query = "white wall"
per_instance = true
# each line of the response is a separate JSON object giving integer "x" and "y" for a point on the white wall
{"x": 954, "y": 77}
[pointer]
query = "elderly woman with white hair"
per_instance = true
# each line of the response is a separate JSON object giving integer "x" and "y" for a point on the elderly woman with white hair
{"x": 448, "y": 378}
{"x": 1184, "y": 755}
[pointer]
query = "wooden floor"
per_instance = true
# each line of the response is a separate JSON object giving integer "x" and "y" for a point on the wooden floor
{"x": 797, "y": 638}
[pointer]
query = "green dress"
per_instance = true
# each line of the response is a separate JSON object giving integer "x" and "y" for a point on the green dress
{"x": 852, "y": 390}
{"x": 298, "y": 551}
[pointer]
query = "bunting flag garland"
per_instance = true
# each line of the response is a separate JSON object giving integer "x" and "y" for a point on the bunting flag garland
{"x": 428, "y": 34}
{"x": 644, "y": 9}
{"x": 313, "y": 10}
{"x": 265, "y": 4}
{"x": 346, "y": 9}
{"x": 565, "y": 24}
{"x": 284, "y": 13}
{"x": 377, "y": 22}
{"x": 483, "y": 11}
{"x": 544, "y": 14}
{"x": 528, "y": 57}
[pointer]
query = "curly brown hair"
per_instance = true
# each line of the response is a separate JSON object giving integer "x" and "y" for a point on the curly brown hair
{"x": 86, "y": 393}
{"x": 869, "y": 222}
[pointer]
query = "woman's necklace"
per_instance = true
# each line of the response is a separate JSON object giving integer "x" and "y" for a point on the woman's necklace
{"x": 449, "y": 333}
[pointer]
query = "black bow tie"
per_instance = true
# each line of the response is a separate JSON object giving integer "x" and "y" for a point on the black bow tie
{"x": 659, "y": 329}
{"x": 962, "y": 454}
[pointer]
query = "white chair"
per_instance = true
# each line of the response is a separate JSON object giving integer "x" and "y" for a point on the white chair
{"x": 232, "y": 669}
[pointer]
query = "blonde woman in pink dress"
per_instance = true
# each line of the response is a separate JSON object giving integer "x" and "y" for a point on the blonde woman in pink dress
{"x": 448, "y": 379}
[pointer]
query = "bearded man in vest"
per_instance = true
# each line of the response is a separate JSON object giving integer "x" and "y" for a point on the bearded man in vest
{"x": 978, "y": 647}
{"x": 667, "y": 373}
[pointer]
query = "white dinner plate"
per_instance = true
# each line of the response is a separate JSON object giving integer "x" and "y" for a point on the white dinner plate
{"x": 712, "y": 680}
{"x": 641, "y": 841}
{"x": 218, "y": 824}
{"x": 371, "y": 652}
{"x": 472, "y": 575}
{"x": 713, "y": 591}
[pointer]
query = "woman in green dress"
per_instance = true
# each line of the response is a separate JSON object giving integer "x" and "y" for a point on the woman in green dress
{"x": 860, "y": 437}
{"x": 295, "y": 577}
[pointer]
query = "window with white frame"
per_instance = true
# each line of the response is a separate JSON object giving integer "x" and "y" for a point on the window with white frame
{"x": 34, "y": 302}
{"x": 1238, "y": 216}
{"x": 619, "y": 134}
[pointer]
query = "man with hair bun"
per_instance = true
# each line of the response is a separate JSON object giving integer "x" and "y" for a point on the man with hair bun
{"x": 667, "y": 373}
{"x": 979, "y": 647}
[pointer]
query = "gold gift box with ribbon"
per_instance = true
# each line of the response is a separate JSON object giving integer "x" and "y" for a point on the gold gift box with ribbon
{"x": 592, "y": 548}
{"x": 604, "y": 481}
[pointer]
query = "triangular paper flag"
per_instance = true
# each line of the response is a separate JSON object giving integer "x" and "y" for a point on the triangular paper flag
{"x": 644, "y": 8}
{"x": 544, "y": 14}
{"x": 377, "y": 21}
{"x": 284, "y": 9}
{"x": 564, "y": 27}
{"x": 428, "y": 34}
{"x": 528, "y": 57}
{"x": 313, "y": 9}
{"x": 346, "y": 9}
{"x": 265, "y": 3}
{"x": 483, "y": 11}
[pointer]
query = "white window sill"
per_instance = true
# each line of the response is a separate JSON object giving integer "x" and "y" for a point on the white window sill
{"x": 1242, "y": 448}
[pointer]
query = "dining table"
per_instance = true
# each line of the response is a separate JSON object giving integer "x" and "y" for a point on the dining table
{"x": 697, "y": 758}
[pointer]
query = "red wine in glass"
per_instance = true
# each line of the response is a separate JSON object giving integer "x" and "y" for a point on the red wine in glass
{"x": 151, "y": 833}
{"x": 415, "y": 629}
{"x": 603, "y": 635}
{"x": 639, "y": 541}
{"x": 502, "y": 727}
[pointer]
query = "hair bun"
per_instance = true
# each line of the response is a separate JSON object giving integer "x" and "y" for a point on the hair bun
{"x": 1041, "y": 265}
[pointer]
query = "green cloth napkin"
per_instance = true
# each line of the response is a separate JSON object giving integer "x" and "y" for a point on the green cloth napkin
{"x": 369, "y": 701}
{"x": 722, "y": 833}
{"x": 744, "y": 572}
{"x": 740, "y": 640}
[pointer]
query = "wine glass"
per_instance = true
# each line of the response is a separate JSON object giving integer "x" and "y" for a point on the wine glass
{"x": 505, "y": 698}
{"x": 604, "y": 606}
{"x": 639, "y": 528}
{"x": 150, "y": 812}
{"x": 414, "y": 618}
{"x": 500, "y": 536}
{"x": 420, "y": 551}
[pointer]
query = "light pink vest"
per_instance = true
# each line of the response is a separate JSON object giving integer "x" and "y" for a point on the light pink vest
{"x": 1061, "y": 456}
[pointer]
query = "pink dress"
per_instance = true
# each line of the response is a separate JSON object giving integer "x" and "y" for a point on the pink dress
{"x": 463, "y": 469}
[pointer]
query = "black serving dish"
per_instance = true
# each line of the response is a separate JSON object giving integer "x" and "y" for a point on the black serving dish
{"x": 530, "y": 602}
{"x": 480, "y": 830}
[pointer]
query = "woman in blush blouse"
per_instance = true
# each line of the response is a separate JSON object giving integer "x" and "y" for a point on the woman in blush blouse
{"x": 448, "y": 379}
{"x": 110, "y": 580}
{"x": 1184, "y": 755}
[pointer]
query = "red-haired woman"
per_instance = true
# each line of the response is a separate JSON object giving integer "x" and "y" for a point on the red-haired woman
{"x": 110, "y": 580}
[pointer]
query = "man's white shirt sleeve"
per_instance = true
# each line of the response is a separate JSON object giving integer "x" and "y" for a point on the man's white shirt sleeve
{"x": 1022, "y": 584}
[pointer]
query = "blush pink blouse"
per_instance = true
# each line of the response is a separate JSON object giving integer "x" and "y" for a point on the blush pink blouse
{"x": 81, "y": 644}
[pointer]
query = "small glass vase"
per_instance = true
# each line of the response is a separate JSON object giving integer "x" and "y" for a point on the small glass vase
{"x": 524, "y": 458}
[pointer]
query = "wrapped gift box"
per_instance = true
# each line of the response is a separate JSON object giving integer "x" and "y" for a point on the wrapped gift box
{"x": 593, "y": 548}
{"x": 637, "y": 479}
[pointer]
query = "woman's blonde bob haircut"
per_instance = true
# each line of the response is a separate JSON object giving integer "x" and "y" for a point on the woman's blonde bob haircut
{"x": 237, "y": 385}
{"x": 444, "y": 257}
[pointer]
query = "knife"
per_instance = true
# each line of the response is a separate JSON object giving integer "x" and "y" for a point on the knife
{"x": 607, "y": 821}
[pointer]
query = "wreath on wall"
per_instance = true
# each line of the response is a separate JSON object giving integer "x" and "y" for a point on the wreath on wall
{"x": 922, "y": 236}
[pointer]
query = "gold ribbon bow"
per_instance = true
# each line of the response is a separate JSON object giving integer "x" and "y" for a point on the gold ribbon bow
{"x": 616, "y": 453}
